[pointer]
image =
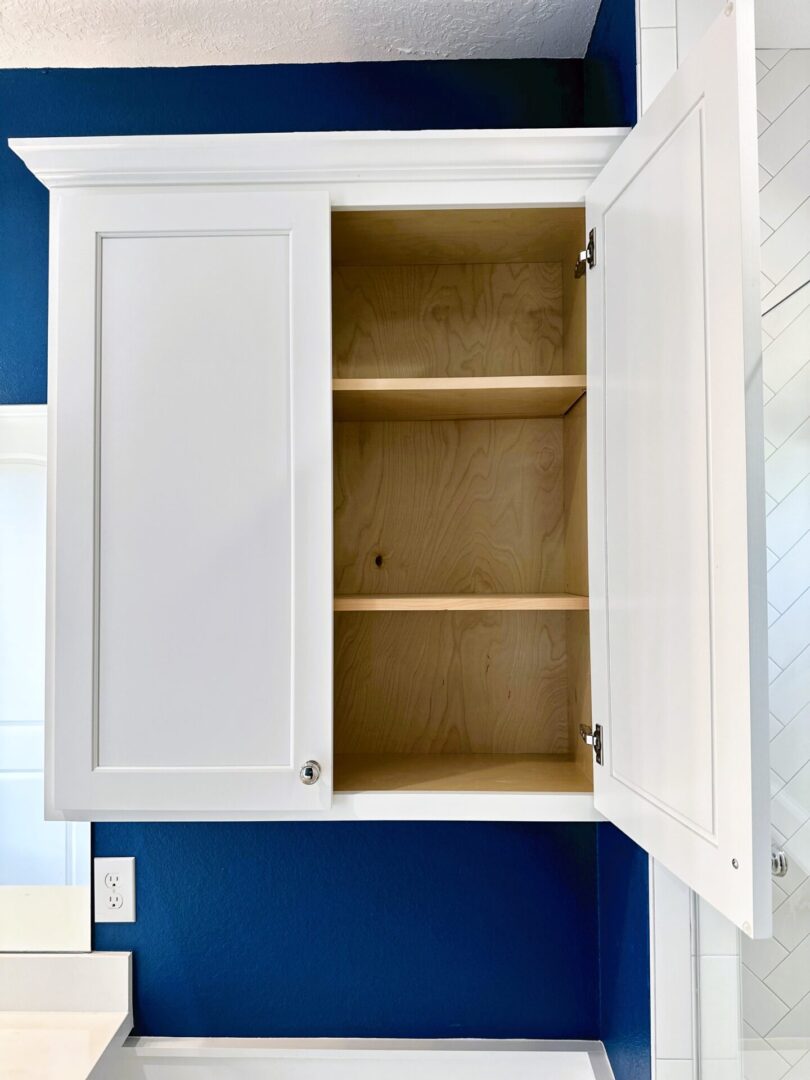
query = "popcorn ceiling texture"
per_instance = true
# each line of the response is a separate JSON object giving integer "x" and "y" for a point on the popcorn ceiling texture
{"x": 181, "y": 33}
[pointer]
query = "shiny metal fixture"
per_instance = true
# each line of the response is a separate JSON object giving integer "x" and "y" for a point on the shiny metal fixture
{"x": 309, "y": 773}
{"x": 779, "y": 862}
{"x": 587, "y": 258}
{"x": 592, "y": 737}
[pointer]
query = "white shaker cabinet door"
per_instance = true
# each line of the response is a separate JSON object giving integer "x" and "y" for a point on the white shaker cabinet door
{"x": 190, "y": 565}
{"x": 676, "y": 497}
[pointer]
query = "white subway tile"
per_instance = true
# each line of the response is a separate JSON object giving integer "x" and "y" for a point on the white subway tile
{"x": 780, "y": 139}
{"x": 783, "y": 83}
{"x": 786, "y": 192}
{"x": 791, "y": 921}
{"x": 659, "y": 60}
{"x": 790, "y": 464}
{"x": 790, "y": 634}
{"x": 786, "y": 410}
{"x": 654, "y": 13}
{"x": 790, "y": 690}
{"x": 786, "y": 523}
{"x": 762, "y": 1008}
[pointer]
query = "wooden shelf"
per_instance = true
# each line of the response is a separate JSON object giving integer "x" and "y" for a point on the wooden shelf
{"x": 458, "y": 772}
{"x": 495, "y": 397}
{"x": 464, "y": 602}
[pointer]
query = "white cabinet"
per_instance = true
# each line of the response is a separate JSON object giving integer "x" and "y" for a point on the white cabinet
{"x": 196, "y": 541}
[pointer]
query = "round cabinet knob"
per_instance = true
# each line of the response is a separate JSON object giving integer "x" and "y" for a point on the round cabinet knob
{"x": 310, "y": 772}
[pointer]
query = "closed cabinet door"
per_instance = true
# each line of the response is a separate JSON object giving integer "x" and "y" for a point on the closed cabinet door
{"x": 676, "y": 497}
{"x": 189, "y": 597}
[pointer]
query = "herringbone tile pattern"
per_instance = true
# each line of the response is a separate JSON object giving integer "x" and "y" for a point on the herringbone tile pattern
{"x": 776, "y": 973}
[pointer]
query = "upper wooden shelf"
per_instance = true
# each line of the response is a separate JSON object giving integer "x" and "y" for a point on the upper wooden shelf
{"x": 493, "y": 397}
{"x": 465, "y": 602}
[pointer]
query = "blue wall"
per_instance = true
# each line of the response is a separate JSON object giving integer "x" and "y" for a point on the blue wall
{"x": 410, "y": 929}
{"x": 624, "y": 953}
{"x": 401, "y": 929}
{"x": 610, "y": 66}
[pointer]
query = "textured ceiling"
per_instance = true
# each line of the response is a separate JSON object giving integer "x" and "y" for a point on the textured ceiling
{"x": 178, "y": 33}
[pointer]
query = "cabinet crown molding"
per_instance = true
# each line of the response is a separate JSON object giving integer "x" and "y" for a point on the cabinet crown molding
{"x": 340, "y": 159}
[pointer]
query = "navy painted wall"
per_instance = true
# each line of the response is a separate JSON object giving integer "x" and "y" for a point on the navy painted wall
{"x": 624, "y": 953}
{"x": 400, "y": 929}
{"x": 610, "y": 66}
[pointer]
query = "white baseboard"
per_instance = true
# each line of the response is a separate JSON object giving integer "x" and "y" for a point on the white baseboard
{"x": 356, "y": 1059}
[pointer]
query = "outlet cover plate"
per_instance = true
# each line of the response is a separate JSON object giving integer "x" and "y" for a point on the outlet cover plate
{"x": 114, "y": 890}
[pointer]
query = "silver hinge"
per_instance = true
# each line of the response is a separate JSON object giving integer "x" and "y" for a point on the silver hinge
{"x": 592, "y": 737}
{"x": 587, "y": 258}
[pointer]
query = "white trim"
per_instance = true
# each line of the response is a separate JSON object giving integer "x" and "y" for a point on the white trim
{"x": 388, "y": 806}
{"x": 395, "y": 168}
{"x": 361, "y": 1059}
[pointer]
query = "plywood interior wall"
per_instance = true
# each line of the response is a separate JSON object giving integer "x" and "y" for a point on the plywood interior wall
{"x": 448, "y": 506}
{"x": 455, "y": 319}
{"x": 451, "y": 682}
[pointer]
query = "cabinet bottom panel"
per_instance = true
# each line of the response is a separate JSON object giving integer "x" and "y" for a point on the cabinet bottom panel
{"x": 459, "y": 772}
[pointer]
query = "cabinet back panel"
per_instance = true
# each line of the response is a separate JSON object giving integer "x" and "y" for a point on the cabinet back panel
{"x": 449, "y": 506}
{"x": 480, "y": 235}
{"x": 451, "y": 683}
{"x": 447, "y": 320}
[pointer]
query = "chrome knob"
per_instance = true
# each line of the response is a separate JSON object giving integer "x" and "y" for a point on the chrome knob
{"x": 779, "y": 863}
{"x": 309, "y": 773}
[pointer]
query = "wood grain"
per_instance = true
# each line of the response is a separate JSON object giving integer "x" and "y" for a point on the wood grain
{"x": 578, "y": 656}
{"x": 447, "y": 507}
{"x": 496, "y": 397}
{"x": 460, "y": 319}
{"x": 451, "y": 682}
{"x": 542, "y": 234}
{"x": 480, "y": 602}
{"x": 575, "y": 499}
{"x": 458, "y": 772}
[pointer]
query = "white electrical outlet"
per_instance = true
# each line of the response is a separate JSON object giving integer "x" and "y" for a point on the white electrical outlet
{"x": 114, "y": 890}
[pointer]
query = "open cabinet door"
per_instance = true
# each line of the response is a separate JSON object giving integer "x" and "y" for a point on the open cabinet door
{"x": 676, "y": 495}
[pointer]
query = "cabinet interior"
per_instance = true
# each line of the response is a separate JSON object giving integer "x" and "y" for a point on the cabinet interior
{"x": 460, "y": 539}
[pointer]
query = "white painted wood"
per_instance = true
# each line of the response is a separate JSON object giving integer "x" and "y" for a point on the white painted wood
{"x": 677, "y": 593}
{"x": 190, "y": 551}
{"x": 401, "y": 806}
{"x": 361, "y": 169}
{"x": 356, "y": 1059}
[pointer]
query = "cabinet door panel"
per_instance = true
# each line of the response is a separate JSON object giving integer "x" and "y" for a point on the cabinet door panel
{"x": 191, "y": 502}
{"x": 676, "y": 500}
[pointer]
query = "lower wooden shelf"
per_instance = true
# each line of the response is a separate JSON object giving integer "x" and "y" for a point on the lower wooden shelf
{"x": 459, "y": 772}
{"x": 465, "y": 602}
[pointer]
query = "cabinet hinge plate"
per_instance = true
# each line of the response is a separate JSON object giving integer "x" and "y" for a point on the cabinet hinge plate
{"x": 587, "y": 257}
{"x": 592, "y": 737}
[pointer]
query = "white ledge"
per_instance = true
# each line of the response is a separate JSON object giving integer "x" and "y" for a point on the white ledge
{"x": 364, "y": 1059}
{"x": 322, "y": 158}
